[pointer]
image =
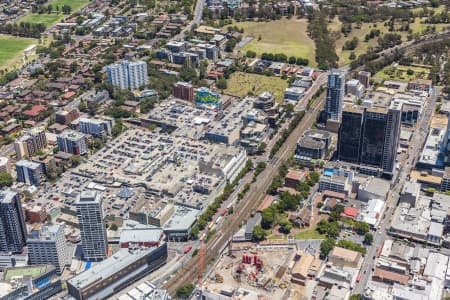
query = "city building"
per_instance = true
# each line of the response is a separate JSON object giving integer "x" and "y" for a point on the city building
{"x": 184, "y": 91}
{"x": 134, "y": 234}
{"x": 364, "y": 78}
{"x": 266, "y": 102}
{"x": 369, "y": 137}
{"x": 336, "y": 180}
{"x": 99, "y": 128}
{"x": 418, "y": 84}
{"x": 30, "y": 282}
{"x": 445, "y": 183}
{"x": 29, "y": 172}
{"x": 30, "y": 143}
{"x": 312, "y": 145}
{"x": 116, "y": 272}
{"x": 92, "y": 226}
{"x": 349, "y": 147}
{"x": 354, "y": 87}
{"x": 206, "y": 97}
{"x": 4, "y": 165}
{"x": 341, "y": 257}
{"x": 434, "y": 151}
{"x": 335, "y": 94}
{"x": 293, "y": 94}
{"x": 13, "y": 231}
{"x": 179, "y": 225}
{"x": 72, "y": 142}
{"x": 128, "y": 75}
{"x": 47, "y": 245}
{"x": 65, "y": 117}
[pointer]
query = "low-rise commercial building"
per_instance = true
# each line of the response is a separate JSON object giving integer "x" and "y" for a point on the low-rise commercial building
{"x": 116, "y": 272}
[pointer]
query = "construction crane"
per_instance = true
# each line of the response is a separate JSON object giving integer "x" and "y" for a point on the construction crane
{"x": 201, "y": 262}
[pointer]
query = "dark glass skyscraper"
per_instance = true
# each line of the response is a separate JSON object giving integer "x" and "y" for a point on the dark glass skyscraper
{"x": 335, "y": 94}
{"x": 369, "y": 136}
{"x": 13, "y": 231}
{"x": 350, "y": 134}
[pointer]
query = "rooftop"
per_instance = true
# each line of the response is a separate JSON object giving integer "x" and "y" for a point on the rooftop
{"x": 182, "y": 219}
{"x": 110, "y": 266}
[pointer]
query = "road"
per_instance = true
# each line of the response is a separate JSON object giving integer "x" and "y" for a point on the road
{"x": 414, "y": 150}
{"x": 197, "y": 18}
{"x": 248, "y": 204}
{"x": 320, "y": 81}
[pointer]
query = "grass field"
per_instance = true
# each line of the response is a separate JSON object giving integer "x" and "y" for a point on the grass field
{"x": 286, "y": 36}
{"x": 32, "y": 271}
{"x": 240, "y": 84}
{"x": 437, "y": 10}
{"x": 12, "y": 49}
{"x": 51, "y": 19}
{"x": 310, "y": 234}
{"x": 417, "y": 28}
{"x": 400, "y": 73}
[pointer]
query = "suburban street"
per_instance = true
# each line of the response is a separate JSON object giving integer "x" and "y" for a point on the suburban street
{"x": 406, "y": 166}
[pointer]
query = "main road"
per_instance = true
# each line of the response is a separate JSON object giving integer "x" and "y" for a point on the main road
{"x": 391, "y": 202}
{"x": 250, "y": 202}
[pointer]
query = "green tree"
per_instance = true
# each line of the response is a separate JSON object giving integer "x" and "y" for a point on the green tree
{"x": 356, "y": 297}
{"x": 368, "y": 238}
{"x": 361, "y": 228}
{"x": 259, "y": 233}
{"x": 221, "y": 83}
{"x": 268, "y": 217}
{"x": 185, "y": 291}
{"x": 113, "y": 227}
{"x": 5, "y": 179}
{"x": 326, "y": 246}
{"x": 285, "y": 225}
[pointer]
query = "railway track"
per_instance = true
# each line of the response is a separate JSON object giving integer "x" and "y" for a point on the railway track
{"x": 189, "y": 272}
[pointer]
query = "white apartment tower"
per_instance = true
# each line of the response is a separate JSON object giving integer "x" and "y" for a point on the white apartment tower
{"x": 47, "y": 245}
{"x": 128, "y": 75}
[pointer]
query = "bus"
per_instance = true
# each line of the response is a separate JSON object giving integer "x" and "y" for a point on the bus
{"x": 224, "y": 212}
{"x": 218, "y": 220}
{"x": 358, "y": 279}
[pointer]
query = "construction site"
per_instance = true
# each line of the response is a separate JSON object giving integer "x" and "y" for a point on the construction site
{"x": 260, "y": 273}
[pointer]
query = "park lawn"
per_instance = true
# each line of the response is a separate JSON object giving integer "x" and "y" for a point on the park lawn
{"x": 74, "y": 4}
{"x": 286, "y": 36}
{"x": 51, "y": 19}
{"x": 276, "y": 237}
{"x": 240, "y": 84}
{"x": 12, "y": 49}
{"x": 47, "y": 19}
{"x": 310, "y": 234}
{"x": 400, "y": 73}
{"x": 419, "y": 27}
{"x": 360, "y": 33}
{"x": 437, "y": 10}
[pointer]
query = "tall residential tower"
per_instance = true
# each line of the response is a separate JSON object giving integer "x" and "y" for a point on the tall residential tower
{"x": 13, "y": 231}
{"x": 92, "y": 227}
{"x": 335, "y": 94}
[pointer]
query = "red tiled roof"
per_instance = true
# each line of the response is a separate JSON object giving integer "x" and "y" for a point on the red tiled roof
{"x": 68, "y": 95}
{"x": 351, "y": 212}
{"x": 35, "y": 111}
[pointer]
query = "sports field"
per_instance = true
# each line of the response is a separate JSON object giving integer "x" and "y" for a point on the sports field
{"x": 12, "y": 48}
{"x": 51, "y": 19}
{"x": 240, "y": 84}
{"x": 286, "y": 36}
